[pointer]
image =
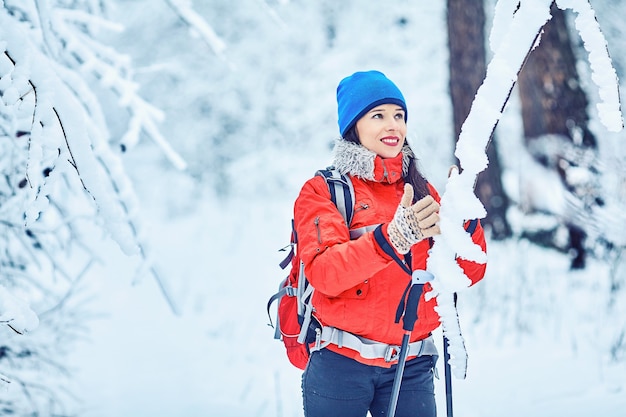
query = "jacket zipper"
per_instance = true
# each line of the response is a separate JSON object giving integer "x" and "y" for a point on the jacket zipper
{"x": 316, "y": 221}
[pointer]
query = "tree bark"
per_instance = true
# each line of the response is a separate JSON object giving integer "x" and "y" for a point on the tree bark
{"x": 466, "y": 41}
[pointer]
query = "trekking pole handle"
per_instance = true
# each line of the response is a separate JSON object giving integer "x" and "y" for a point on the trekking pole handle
{"x": 407, "y": 309}
{"x": 410, "y": 312}
{"x": 418, "y": 279}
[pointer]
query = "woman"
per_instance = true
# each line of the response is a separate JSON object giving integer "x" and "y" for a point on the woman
{"x": 358, "y": 284}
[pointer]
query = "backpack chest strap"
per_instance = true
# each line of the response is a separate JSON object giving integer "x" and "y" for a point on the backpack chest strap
{"x": 357, "y": 233}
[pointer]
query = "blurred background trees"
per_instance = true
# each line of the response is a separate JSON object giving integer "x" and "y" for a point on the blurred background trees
{"x": 557, "y": 136}
{"x": 558, "y": 141}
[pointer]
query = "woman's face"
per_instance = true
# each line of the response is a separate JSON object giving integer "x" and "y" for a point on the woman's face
{"x": 383, "y": 130}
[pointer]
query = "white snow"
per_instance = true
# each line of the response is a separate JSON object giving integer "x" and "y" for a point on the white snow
{"x": 219, "y": 357}
{"x": 531, "y": 327}
{"x": 603, "y": 73}
{"x": 16, "y": 312}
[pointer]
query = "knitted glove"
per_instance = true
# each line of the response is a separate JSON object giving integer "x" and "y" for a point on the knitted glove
{"x": 412, "y": 223}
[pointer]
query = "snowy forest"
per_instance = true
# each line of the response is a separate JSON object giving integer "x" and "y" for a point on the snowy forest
{"x": 151, "y": 151}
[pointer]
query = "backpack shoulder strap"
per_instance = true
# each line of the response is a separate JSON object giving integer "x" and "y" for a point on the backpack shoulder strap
{"x": 341, "y": 192}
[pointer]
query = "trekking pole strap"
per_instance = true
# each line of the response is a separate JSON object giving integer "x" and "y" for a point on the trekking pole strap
{"x": 371, "y": 349}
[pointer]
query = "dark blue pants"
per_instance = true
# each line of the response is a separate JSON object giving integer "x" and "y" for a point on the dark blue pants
{"x": 334, "y": 385}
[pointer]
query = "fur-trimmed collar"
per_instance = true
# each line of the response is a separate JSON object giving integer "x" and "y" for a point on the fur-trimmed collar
{"x": 358, "y": 161}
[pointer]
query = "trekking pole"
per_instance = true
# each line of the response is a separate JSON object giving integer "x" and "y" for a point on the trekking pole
{"x": 448, "y": 376}
{"x": 408, "y": 311}
{"x": 448, "y": 372}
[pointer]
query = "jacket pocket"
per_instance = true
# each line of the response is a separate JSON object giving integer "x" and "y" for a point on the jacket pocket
{"x": 358, "y": 292}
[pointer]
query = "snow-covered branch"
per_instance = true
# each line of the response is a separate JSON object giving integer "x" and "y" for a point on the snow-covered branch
{"x": 113, "y": 70}
{"x": 62, "y": 185}
{"x": 517, "y": 31}
{"x": 603, "y": 73}
{"x": 16, "y": 313}
{"x": 198, "y": 25}
{"x": 458, "y": 202}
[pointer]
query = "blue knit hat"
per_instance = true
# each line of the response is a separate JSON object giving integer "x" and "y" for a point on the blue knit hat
{"x": 361, "y": 92}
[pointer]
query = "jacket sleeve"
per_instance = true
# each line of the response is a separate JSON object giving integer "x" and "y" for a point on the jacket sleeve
{"x": 332, "y": 262}
{"x": 474, "y": 271}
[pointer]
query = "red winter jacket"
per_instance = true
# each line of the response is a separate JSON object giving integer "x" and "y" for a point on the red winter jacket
{"x": 357, "y": 285}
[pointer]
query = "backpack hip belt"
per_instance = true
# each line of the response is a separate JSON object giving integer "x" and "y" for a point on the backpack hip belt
{"x": 371, "y": 349}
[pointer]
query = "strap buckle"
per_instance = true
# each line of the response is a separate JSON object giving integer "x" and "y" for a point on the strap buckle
{"x": 290, "y": 291}
{"x": 392, "y": 353}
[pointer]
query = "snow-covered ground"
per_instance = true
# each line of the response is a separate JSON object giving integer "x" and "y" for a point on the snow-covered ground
{"x": 145, "y": 362}
{"x": 218, "y": 357}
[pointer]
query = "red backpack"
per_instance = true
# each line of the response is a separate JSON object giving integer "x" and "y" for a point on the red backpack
{"x": 295, "y": 324}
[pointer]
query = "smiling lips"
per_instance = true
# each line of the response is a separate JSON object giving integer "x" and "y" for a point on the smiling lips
{"x": 390, "y": 140}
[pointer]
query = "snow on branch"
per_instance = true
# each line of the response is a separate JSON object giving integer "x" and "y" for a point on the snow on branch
{"x": 502, "y": 17}
{"x": 603, "y": 72}
{"x": 16, "y": 313}
{"x": 67, "y": 111}
{"x": 62, "y": 186}
{"x": 198, "y": 25}
{"x": 459, "y": 202}
{"x": 114, "y": 72}
{"x": 59, "y": 115}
